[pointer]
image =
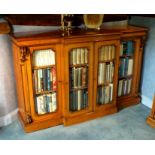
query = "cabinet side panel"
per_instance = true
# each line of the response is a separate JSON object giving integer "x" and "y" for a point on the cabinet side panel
{"x": 19, "y": 82}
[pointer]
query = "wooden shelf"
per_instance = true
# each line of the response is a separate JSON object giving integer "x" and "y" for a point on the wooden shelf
{"x": 126, "y": 56}
{"x": 79, "y": 88}
{"x": 125, "y": 77}
{"x": 44, "y": 92}
{"x": 104, "y": 61}
{"x": 104, "y": 104}
{"x": 42, "y": 67}
{"x": 104, "y": 84}
{"x": 79, "y": 65}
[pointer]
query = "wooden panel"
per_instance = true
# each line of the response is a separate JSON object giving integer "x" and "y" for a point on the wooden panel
{"x": 54, "y": 19}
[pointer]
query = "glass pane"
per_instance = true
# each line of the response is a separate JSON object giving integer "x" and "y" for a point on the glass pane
{"x": 106, "y": 58}
{"x": 126, "y": 67}
{"x": 78, "y": 76}
{"x": 45, "y": 83}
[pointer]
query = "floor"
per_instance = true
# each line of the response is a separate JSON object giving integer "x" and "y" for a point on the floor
{"x": 129, "y": 123}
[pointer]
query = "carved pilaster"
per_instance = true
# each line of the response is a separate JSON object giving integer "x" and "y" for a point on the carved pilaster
{"x": 143, "y": 39}
{"x": 28, "y": 119}
{"x": 23, "y": 53}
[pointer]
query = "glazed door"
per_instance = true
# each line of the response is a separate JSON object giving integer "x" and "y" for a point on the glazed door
{"x": 44, "y": 82}
{"x": 78, "y": 79}
{"x": 129, "y": 68}
{"x": 106, "y": 74}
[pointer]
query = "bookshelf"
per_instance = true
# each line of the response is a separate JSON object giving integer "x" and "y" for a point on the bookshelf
{"x": 76, "y": 78}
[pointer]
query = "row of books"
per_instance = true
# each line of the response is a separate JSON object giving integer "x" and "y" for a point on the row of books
{"x": 79, "y": 56}
{"x": 126, "y": 67}
{"x": 105, "y": 94}
{"x": 78, "y": 100}
{"x": 105, "y": 73}
{"x": 127, "y": 48}
{"x": 78, "y": 77}
{"x": 43, "y": 57}
{"x": 46, "y": 103}
{"x": 107, "y": 53}
{"x": 124, "y": 87}
{"x": 45, "y": 79}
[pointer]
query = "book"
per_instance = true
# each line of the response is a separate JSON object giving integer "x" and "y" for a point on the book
{"x": 129, "y": 86}
{"x": 111, "y": 92}
{"x": 78, "y": 55}
{"x": 52, "y": 57}
{"x": 54, "y": 102}
{"x": 130, "y": 67}
{"x": 102, "y": 75}
{"x": 75, "y": 77}
{"x": 86, "y": 56}
{"x": 106, "y": 53}
{"x": 49, "y": 103}
{"x": 74, "y": 56}
{"x": 120, "y": 84}
{"x": 44, "y": 71}
{"x": 41, "y": 105}
{"x": 43, "y": 57}
{"x": 107, "y": 94}
{"x": 35, "y": 80}
{"x": 54, "y": 82}
{"x": 130, "y": 48}
{"x": 101, "y": 53}
{"x": 124, "y": 86}
{"x": 109, "y": 53}
{"x": 82, "y": 56}
{"x": 84, "y": 76}
{"x": 102, "y": 98}
{"x": 79, "y": 95}
{"x": 124, "y": 43}
{"x": 79, "y": 77}
{"x": 112, "y": 52}
{"x": 49, "y": 82}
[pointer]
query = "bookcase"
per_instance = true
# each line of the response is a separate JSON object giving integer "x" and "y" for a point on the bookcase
{"x": 78, "y": 77}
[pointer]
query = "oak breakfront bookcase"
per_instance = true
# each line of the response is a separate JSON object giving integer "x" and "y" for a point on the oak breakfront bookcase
{"x": 71, "y": 79}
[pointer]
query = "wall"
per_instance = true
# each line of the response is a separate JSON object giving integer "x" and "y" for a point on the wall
{"x": 8, "y": 101}
{"x": 148, "y": 73}
{"x": 8, "y": 97}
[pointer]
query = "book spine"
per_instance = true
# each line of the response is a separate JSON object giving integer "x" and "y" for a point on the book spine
{"x": 82, "y": 55}
{"x": 111, "y": 92}
{"x": 44, "y": 79}
{"x": 120, "y": 87}
{"x": 86, "y": 56}
{"x": 41, "y": 107}
{"x": 79, "y": 77}
{"x": 35, "y": 76}
{"x": 124, "y": 48}
{"x": 54, "y": 82}
{"x": 74, "y": 56}
{"x": 83, "y": 76}
{"x": 52, "y": 57}
{"x": 130, "y": 67}
{"x": 49, "y": 79}
{"x": 54, "y": 102}
{"x": 79, "y": 100}
{"x": 126, "y": 66}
